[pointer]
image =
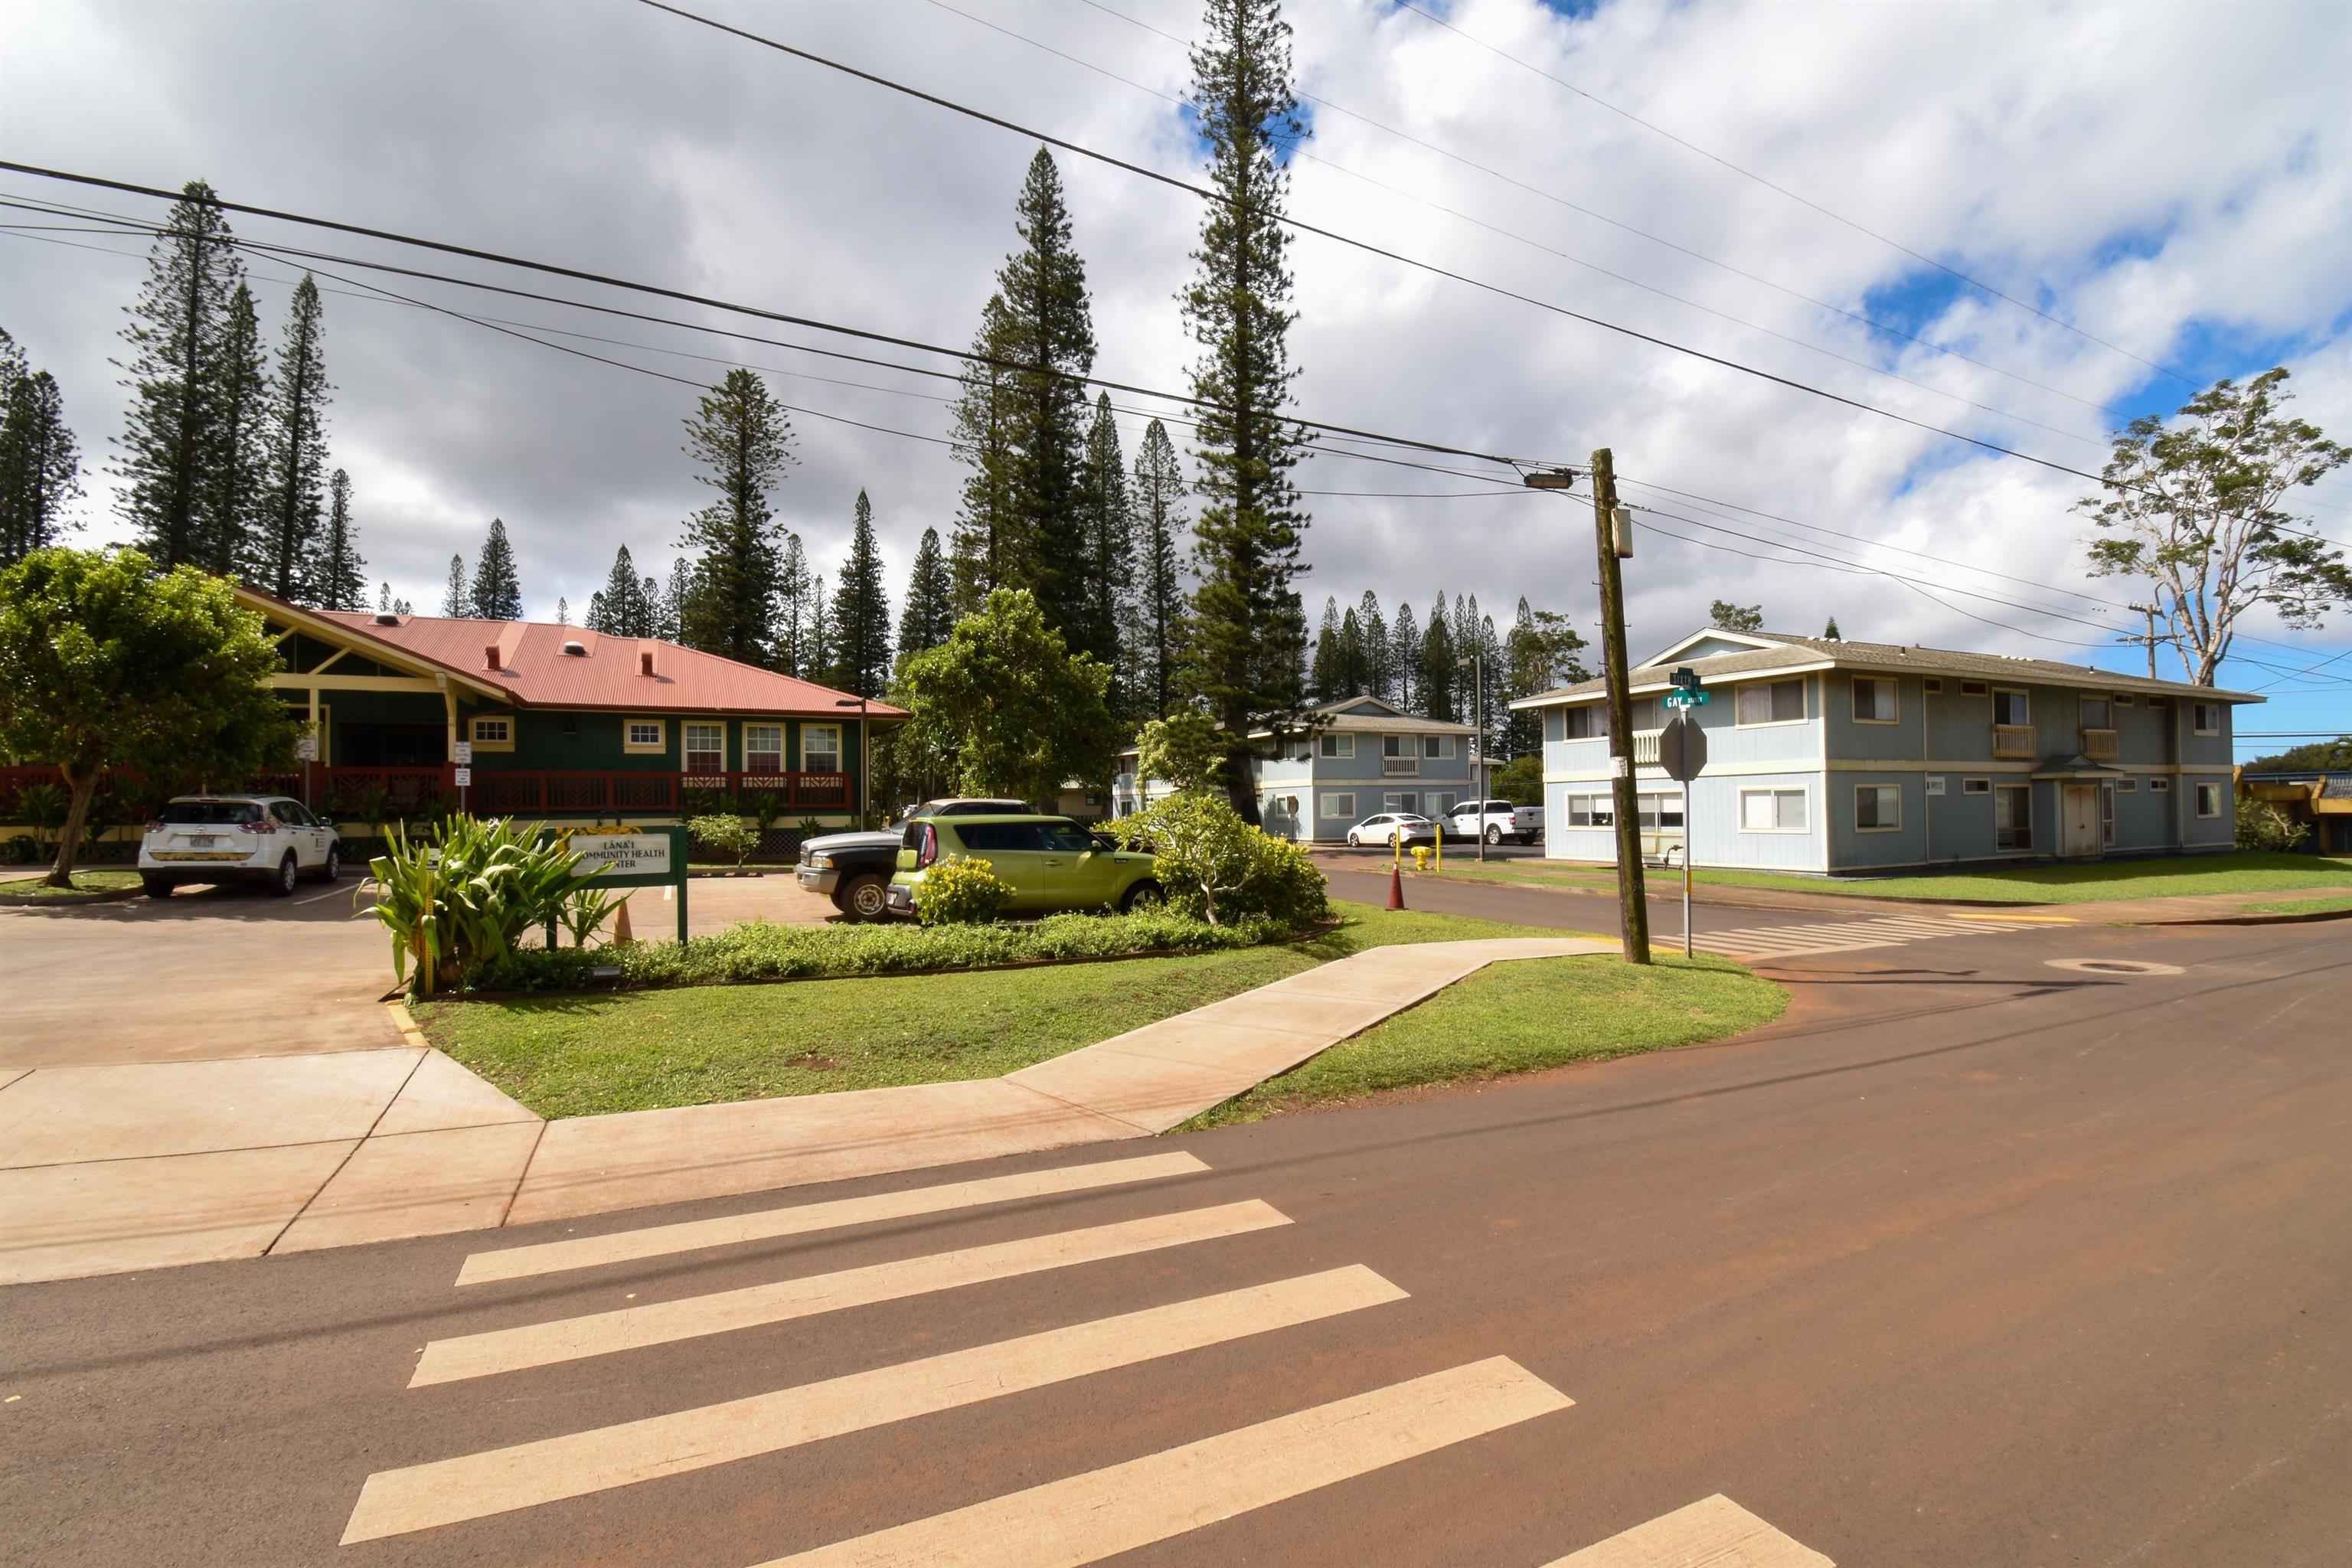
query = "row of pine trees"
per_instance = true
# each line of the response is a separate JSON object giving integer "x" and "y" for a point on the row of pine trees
{"x": 40, "y": 463}
{"x": 1435, "y": 668}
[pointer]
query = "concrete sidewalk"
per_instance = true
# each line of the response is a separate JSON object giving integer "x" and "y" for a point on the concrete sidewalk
{"x": 105, "y": 1169}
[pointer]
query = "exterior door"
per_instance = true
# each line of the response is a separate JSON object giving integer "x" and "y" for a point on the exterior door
{"x": 2082, "y": 821}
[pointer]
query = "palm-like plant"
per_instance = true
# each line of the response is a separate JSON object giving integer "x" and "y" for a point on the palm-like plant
{"x": 468, "y": 896}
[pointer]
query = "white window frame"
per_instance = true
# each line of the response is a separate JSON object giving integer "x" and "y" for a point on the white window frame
{"x": 1883, "y": 791}
{"x": 751, "y": 749}
{"x": 1976, "y": 689}
{"x": 1876, "y": 681}
{"x": 2023, "y": 696}
{"x": 2197, "y": 713}
{"x": 1596, "y": 722}
{"x": 504, "y": 741}
{"x": 833, "y": 731}
{"x": 1336, "y": 747}
{"x": 1392, "y": 802}
{"x": 1804, "y": 702}
{"x": 687, "y": 748}
{"x": 635, "y": 746}
{"x": 1400, "y": 746}
{"x": 1594, "y": 805}
{"x": 1975, "y": 786}
{"x": 2159, "y": 786}
{"x": 1443, "y": 806}
{"x": 1338, "y": 806}
{"x": 1772, "y": 795}
{"x": 1437, "y": 747}
{"x": 2207, "y": 790}
{"x": 2027, "y": 791}
{"x": 2127, "y": 786}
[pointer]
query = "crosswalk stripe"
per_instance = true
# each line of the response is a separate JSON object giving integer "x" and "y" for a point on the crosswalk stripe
{"x": 766, "y": 1225}
{"x": 393, "y": 1502}
{"x": 1086, "y": 1518}
{"x": 1715, "y": 1532}
{"x": 663, "y": 1322}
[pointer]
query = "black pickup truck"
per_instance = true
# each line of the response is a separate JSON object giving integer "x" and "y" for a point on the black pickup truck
{"x": 854, "y": 870}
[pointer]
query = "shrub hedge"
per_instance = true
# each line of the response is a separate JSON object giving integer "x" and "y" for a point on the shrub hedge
{"x": 758, "y": 951}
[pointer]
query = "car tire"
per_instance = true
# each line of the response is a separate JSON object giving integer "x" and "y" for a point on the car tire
{"x": 1354, "y": 842}
{"x": 1145, "y": 895}
{"x": 1493, "y": 835}
{"x": 863, "y": 899}
{"x": 333, "y": 869}
{"x": 157, "y": 886}
{"x": 289, "y": 876}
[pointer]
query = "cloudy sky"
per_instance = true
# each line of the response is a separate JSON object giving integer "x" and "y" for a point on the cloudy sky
{"x": 2167, "y": 189}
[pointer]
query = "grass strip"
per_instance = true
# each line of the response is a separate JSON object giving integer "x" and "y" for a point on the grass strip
{"x": 84, "y": 882}
{"x": 2299, "y": 906}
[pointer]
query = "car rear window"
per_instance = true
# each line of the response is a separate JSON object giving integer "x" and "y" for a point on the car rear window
{"x": 211, "y": 813}
{"x": 980, "y": 837}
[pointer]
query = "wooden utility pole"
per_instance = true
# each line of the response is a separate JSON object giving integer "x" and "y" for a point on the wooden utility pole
{"x": 2149, "y": 611}
{"x": 1633, "y": 905}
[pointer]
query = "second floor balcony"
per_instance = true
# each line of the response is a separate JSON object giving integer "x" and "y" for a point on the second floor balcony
{"x": 2013, "y": 742}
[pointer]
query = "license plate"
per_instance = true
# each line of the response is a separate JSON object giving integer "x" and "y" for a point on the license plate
{"x": 203, "y": 841}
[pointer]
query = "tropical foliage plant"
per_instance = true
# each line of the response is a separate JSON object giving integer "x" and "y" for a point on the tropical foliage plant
{"x": 467, "y": 896}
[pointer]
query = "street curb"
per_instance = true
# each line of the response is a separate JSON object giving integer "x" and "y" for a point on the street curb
{"x": 2292, "y": 919}
{"x": 407, "y": 1025}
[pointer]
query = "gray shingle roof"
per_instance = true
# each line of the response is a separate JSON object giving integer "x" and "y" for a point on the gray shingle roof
{"x": 1800, "y": 652}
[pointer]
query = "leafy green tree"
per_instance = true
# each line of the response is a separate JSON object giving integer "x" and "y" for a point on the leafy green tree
{"x": 170, "y": 441}
{"x": 1520, "y": 780}
{"x": 457, "y": 598}
{"x": 40, "y": 465}
{"x": 340, "y": 575}
{"x": 231, "y": 529}
{"x": 1249, "y": 628}
{"x": 1831, "y": 631}
{"x": 563, "y": 611}
{"x": 743, "y": 438}
{"x": 2313, "y": 756}
{"x": 296, "y": 442}
{"x": 1184, "y": 749}
{"x": 498, "y": 592}
{"x": 861, "y": 611}
{"x": 676, "y": 593}
{"x": 929, "y": 612}
{"x": 1541, "y": 653}
{"x": 2198, "y": 506}
{"x": 1006, "y": 699}
{"x": 1730, "y": 617}
{"x": 1157, "y": 503}
{"x": 104, "y": 663}
{"x": 1323, "y": 665}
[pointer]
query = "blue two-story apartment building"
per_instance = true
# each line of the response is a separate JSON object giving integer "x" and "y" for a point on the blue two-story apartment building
{"x": 1353, "y": 757}
{"x": 1832, "y": 756}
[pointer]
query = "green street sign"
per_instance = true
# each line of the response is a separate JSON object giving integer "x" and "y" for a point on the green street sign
{"x": 1686, "y": 699}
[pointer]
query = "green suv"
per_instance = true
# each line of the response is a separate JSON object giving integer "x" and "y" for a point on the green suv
{"x": 1052, "y": 862}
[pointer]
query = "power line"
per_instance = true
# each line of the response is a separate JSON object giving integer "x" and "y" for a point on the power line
{"x": 1794, "y": 196}
{"x": 1365, "y": 245}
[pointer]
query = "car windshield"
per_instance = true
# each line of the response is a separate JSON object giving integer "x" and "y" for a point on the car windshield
{"x": 210, "y": 813}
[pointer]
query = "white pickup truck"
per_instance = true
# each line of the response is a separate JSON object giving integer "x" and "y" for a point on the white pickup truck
{"x": 1495, "y": 820}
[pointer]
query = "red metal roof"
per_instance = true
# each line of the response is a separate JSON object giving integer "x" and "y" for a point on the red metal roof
{"x": 535, "y": 672}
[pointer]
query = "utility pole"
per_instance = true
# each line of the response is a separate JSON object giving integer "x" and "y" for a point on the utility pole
{"x": 2149, "y": 611}
{"x": 1614, "y": 531}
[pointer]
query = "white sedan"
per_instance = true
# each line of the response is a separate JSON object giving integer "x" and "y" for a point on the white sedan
{"x": 215, "y": 837}
{"x": 1392, "y": 828}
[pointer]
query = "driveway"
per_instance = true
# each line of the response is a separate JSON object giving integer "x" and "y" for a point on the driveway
{"x": 211, "y": 972}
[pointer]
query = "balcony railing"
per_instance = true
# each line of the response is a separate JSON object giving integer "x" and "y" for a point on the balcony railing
{"x": 1645, "y": 747}
{"x": 1400, "y": 767}
{"x": 2013, "y": 741}
{"x": 2099, "y": 745}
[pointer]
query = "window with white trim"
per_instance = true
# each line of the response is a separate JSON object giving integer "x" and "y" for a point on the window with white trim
{"x": 1396, "y": 745}
{"x": 1771, "y": 702}
{"x": 2208, "y": 800}
{"x": 764, "y": 748}
{"x": 705, "y": 748}
{"x": 642, "y": 735}
{"x": 820, "y": 748}
{"x": 1336, "y": 746}
{"x": 2012, "y": 707}
{"x": 1975, "y": 786}
{"x": 1585, "y": 723}
{"x": 1973, "y": 688}
{"x": 1338, "y": 807}
{"x": 1405, "y": 801}
{"x": 1877, "y": 808}
{"x": 1437, "y": 747}
{"x": 1442, "y": 804}
{"x": 2127, "y": 786}
{"x": 2159, "y": 786}
{"x": 1876, "y": 700}
{"x": 2206, "y": 718}
{"x": 1771, "y": 811}
{"x": 1591, "y": 810}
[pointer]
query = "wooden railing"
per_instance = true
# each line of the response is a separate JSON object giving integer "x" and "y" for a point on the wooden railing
{"x": 2014, "y": 742}
{"x": 1645, "y": 747}
{"x": 1400, "y": 767}
{"x": 2099, "y": 745}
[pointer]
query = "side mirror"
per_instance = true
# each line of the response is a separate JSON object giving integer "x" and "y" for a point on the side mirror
{"x": 326, "y": 822}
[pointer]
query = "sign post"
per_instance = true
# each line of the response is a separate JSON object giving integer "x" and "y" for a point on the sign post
{"x": 1682, "y": 753}
{"x": 628, "y": 857}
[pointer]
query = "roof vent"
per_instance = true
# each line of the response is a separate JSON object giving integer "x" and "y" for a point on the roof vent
{"x": 491, "y": 656}
{"x": 575, "y": 649}
{"x": 645, "y": 661}
{"x": 386, "y": 618}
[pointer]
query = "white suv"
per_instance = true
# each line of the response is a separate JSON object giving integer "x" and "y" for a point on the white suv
{"x": 214, "y": 838}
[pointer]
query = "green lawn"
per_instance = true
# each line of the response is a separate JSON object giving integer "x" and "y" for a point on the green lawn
{"x": 2239, "y": 872}
{"x": 580, "y": 1056}
{"x": 83, "y": 882}
{"x": 2299, "y": 906}
{"x": 1519, "y": 1016}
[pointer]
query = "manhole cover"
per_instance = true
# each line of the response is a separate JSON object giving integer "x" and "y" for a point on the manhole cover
{"x": 2113, "y": 966}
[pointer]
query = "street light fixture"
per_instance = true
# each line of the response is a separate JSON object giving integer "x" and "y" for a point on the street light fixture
{"x": 865, "y": 761}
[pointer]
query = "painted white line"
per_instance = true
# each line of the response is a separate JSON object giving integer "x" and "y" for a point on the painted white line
{"x": 335, "y": 891}
{"x": 729, "y": 1230}
{"x": 662, "y": 1323}
{"x": 1086, "y": 1518}
{"x": 394, "y": 1502}
{"x": 1715, "y": 1532}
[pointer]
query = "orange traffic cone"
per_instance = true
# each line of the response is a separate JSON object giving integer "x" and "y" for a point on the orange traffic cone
{"x": 1396, "y": 888}
{"x": 621, "y": 937}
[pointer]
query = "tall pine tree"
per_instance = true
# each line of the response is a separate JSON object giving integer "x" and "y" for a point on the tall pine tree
{"x": 40, "y": 467}
{"x": 1380, "y": 658}
{"x": 338, "y": 573}
{"x": 1323, "y": 669}
{"x": 230, "y": 533}
{"x": 1404, "y": 661}
{"x": 861, "y": 611}
{"x": 1157, "y": 501}
{"x": 1106, "y": 551}
{"x": 984, "y": 544}
{"x": 743, "y": 438}
{"x": 928, "y": 615}
{"x": 457, "y": 598}
{"x": 1436, "y": 682}
{"x": 670, "y": 625}
{"x": 1249, "y": 631}
{"x": 1539, "y": 654}
{"x": 497, "y": 590}
{"x": 819, "y": 657}
{"x": 794, "y": 612}
{"x": 622, "y": 608}
{"x": 169, "y": 442}
{"x": 296, "y": 442}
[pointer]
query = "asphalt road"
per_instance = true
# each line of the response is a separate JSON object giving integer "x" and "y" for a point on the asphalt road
{"x": 1969, "y": 1260}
